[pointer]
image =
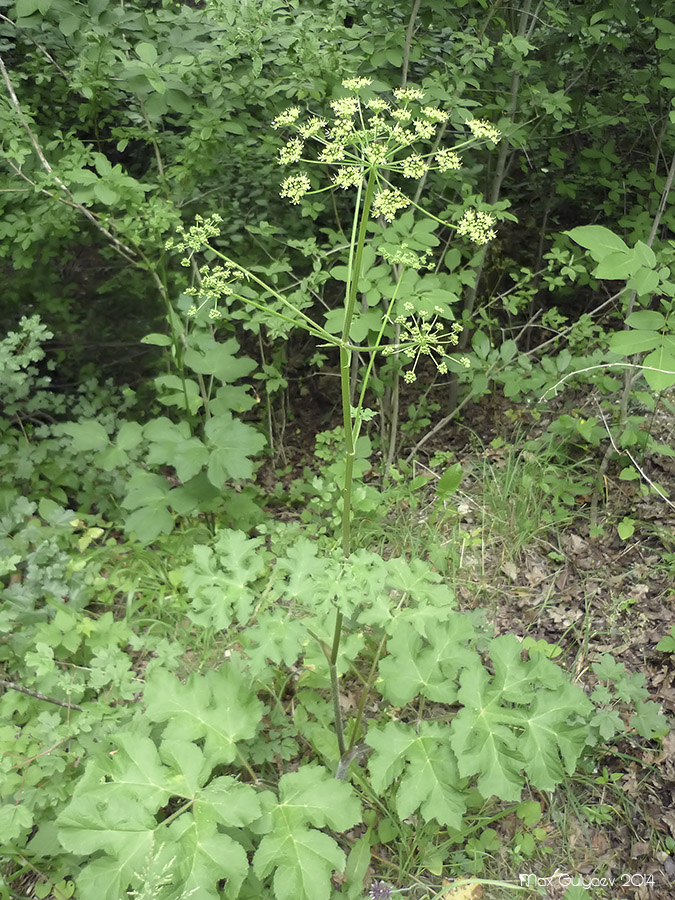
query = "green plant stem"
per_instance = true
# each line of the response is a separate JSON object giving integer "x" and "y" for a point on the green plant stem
{"x": 364, "y": 694}
{"x": 334, "y": 687}
{"x": 345, "y": 360}
{"x": 356, "y": 259}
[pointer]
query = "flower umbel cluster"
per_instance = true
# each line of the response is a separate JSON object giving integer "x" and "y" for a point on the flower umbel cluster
{"x": 422, "y": 336}
{"x": 370, "y": 135}
{"x": 480, "y": 128}
{"x": 214, "y": 282}
{"x": 196, "y": 236}
{"x": 477, "y": 226}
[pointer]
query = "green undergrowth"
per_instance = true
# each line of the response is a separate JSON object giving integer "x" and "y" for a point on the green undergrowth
{"x": 175, "y": 734}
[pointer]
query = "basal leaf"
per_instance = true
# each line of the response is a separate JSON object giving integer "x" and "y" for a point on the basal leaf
{"x": 204, "y": 857}
{"x": 87, "y": 436}
{"x": 425, "y": 768}
{"x": 303, "y": 861}
{"x": 551, "y": 738}
{"x": 319, "y": 798}
{"x": 429, "y": 667}
{"x": 524, "y": 718}
{"x": 218, "y": 707}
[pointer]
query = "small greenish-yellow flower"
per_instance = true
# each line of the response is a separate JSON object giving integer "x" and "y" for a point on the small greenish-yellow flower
{"x": 332, "y": 152}
{"x": 377, "y": 104}
{"x": 378, "y": 122}
{"x": 355, "y": 84}
{"x": 434, "y": 114}
{"x": 376, "y": 154}
{"x": 387, "y": 203}
{"x": 408, "y": 306}
{"x": 291, "y": 152}
{"x": 348, "y": 177}
{"x": 196, "y": 237}
{"x": 287, "y": 117}
{"x": 409, "y": 377}
{"x": 344, "y": 107}
{"x": 481, "y": 128}
{"x": 404, "y": 256}
{"x": 424, "y": 130}
{"x": 342, "y": 132}
{"x": 447, "y": 160}
{"x": 401, "y": 115}
{"x": 295, "y": 187}
{"x": 312, "y": 127}
{"x": 401, "y": 135}
{"x": 413, "y": 167}
{"x": 192, "y": 311}
{"x": 215, "y": 313}
{"x": 465, "y": 361}
{"x": 408, "y": 94}
{"x": 442, "y": 368}
{"x": 215, "y": 281}
{"x": 477, "y": 226}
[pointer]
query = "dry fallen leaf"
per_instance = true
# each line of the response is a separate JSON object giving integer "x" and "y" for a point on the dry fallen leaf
{"x": 467, "y": 891}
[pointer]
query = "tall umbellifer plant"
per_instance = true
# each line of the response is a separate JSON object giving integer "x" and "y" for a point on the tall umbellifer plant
{"x": 368, "y": 142}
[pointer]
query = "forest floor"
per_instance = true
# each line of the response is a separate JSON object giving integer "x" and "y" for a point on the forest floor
{"x": 591, "y": 596}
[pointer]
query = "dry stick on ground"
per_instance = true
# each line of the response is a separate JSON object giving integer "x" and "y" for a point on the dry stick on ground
{"x": 633, "y": 373}
{"x": 13, "y": 686}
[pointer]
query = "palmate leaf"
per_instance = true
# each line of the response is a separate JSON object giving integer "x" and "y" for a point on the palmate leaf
{"x": 550, "y": 738}
{"x": 521, "y": 719}
{"x": 218, "y": 707}
{"x": 426, "y": 767}
{"x": 218, "y": 580}
{"x": 304, "y": 859}
{"x": 233, "y": 443}
{"x": 203, "y": 857}
{"x": 117, "y": 812}
{"x": 430, "y": 668}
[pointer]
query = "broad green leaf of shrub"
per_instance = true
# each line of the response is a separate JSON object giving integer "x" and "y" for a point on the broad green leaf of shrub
{"x": 646, "y": 319}
{"x": 424, "y": 767}
{"x": 218, "y": 707}
{"x": 302, "y": 858}
{"x": 171, "y": 444}
{"x": 644, "y": 281}
{"x": 659, "y": 369}
{"x": 597, "y": 239}
{"x": 87, "y": 436}
{"x": 519, "y": 719}
{"x": 629, "y": 342}
{"x": 233, "y": 443}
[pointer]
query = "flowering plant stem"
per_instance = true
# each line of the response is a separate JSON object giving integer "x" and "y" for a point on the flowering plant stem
{"x": 355, "y": 260}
